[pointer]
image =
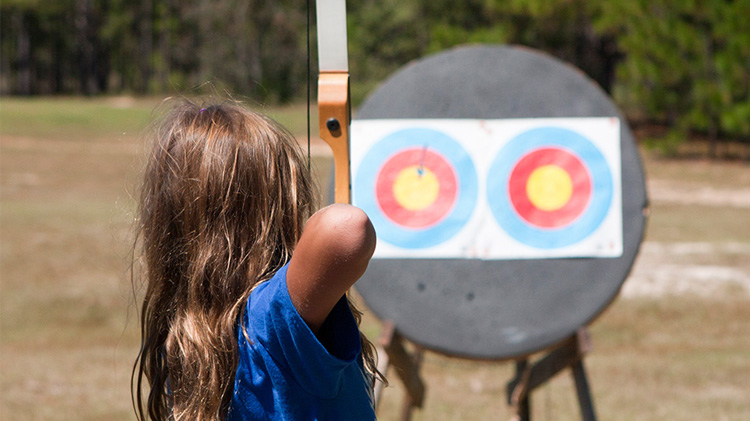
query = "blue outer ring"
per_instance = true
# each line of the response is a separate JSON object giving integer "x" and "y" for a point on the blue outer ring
{"x": 466, "y": 194}
{"x": 549, "y": 238}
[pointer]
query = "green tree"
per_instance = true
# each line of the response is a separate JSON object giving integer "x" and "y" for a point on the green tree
{"x": 686, "y": 64}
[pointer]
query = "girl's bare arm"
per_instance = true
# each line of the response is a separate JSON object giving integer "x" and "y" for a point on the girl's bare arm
{"x": 333, "y": 252}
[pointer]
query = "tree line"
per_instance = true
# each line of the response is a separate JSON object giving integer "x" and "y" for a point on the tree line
{"x": 89, "y": 47}
{"x": 684, "y": 64}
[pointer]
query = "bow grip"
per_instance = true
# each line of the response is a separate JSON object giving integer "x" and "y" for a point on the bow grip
{"x": 334, "y": 117}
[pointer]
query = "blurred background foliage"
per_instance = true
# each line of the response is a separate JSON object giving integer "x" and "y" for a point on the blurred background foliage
{"x": 682, "y": 65}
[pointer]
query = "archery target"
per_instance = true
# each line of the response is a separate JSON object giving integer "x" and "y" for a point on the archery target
{"x": 419, "y": 187}
{"x": 490, "y": 189}
{"x": 511, "y": 299}
{"x": 550, "y": 187}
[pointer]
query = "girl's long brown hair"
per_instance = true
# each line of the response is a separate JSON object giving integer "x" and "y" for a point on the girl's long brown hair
{"x": 224, "y": 199}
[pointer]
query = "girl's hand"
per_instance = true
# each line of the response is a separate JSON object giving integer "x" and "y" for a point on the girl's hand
{"x": 332, "y": 253}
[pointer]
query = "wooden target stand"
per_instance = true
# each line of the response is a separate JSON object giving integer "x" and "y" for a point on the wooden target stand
{"x": 393, "y": 352}
{"x": 568, "y": 354}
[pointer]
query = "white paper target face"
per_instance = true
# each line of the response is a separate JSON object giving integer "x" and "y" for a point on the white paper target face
{"x": 490, "y": 189}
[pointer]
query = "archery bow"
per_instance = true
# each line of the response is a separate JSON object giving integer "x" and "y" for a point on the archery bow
{"x": 334, "y": 107}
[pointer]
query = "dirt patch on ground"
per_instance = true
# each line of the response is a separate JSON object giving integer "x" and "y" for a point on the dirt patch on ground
{"x": 703, "y": 268}
{"x": 687, "y": 268}
{"x": 690, "y": 194}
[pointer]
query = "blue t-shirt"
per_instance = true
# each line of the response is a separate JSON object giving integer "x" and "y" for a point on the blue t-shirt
{"x": 285, "y": 372}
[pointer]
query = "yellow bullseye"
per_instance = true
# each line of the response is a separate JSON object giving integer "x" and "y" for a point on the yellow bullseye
{"x": 415, "y": 188}
{"x": 549, "y": 187}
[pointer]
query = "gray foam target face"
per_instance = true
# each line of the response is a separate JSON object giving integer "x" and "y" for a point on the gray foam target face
{"x": 497, "y": 309}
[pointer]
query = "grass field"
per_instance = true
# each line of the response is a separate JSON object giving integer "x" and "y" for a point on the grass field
{"x": 675, "y": 345}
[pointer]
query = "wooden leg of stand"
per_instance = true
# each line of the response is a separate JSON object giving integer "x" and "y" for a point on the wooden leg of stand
{"x": 414, "y": 396}
{"x": 524, "y": 409}
{"x": 407, "y": 367}
{"x": 582, "y": 389}
{"x": 528, "y": 377}
{"x": 583, "y": 342}
{"x": 518, "y": 392}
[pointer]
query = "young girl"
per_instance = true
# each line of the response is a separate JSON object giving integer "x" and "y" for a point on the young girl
{"x": 245, "y": 315}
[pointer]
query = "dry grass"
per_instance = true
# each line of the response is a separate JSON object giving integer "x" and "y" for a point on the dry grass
{"x": 67, "y": 338}
{"x": 676, "y": 358}
{"x": 69, "y": 330}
